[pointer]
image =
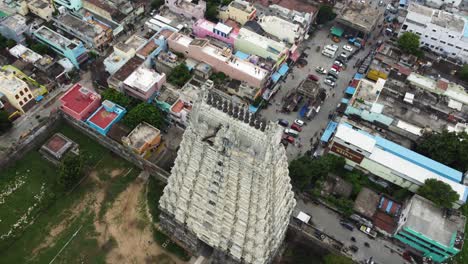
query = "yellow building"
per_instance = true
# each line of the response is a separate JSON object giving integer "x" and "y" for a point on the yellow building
{"x": 143, "y": 139}
{"x": 16, "y": 91}
{"x": 239, "y": 11}
{"x": 41, "y": 8}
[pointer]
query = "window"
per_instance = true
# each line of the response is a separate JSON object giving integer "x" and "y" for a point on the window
{"x": 434, "y": 39}
{"x": 21, "y": 103}
{"x": 29, "y": 96}
{"x": 458, "y": 47}
{"x": 418, "y": 33}
{"x": 426, "y": 36}
{"x": 26, "y": 90}
{"x": 437, "y": 48}
{"x": 450, "y": 44}
{"x": 422, "y": 42}
{"x": 433, "y": 30}
{"x": 432, "y": 46}
{"x": 211, "y": 202}
{"x": 17, "y": 96}
{"x": 404, "y": 27}
{"x": 21, "y": 93}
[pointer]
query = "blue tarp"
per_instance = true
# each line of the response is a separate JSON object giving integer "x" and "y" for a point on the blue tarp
{"x": 283, "y": 69}
{"x": 241, "y": 55}
{"x": 331, "y": 127}
{"x": 39, "y": 98}
{"x": 304, "y": 110}
{"x": 350, "y": 90}
{"x": 253, "y": 109}
{"x": 403, "y": 3}
{"x": 344, "y": 100}
{"x": 358, "y": 76}
{"x": 276, "y": 76}
{"x": 389, "y": 206}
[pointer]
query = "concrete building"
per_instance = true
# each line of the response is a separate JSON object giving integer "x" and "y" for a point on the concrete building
{"x": 92, "y": 33}
{"x": 57, "y": 147}
{"x": 73, "y": 50}
{"x": 14, "y": 27}
{"x": 252, "y": 43}
{"x": 442, "y": 32}
{"x": 143, "y": 139}
{"x": 22, "y": 52}
{"x": 123, "y": 52}
{"x": 79, "y": 102}
{"x": 188, "y": 8}
{"x": 143, "y": 83}
{"x": 72, "y": 5}
{"x": 432, "y": 232}
{"x": 282, "y": 29}
{"x": 204, "y": 28}
{"x": 360, "y": 17}
{"x": 6, "y": 106}
{"x": 41, "y": 8}
{"x": 105, "y": 117}
{"x": 238, "y": 10}
{"x": 116, "y": 80}
{"x": 221, "y": 60}
{"x": 16, "y": 91}
{"x": 229, "y": 187}
{"x": 392, "y": 162}
{"x": 442, "y": 3}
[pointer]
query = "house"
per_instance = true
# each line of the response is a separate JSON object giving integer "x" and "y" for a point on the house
{"x": 41, "y": 8}
{"x": 57, "y": 147}
{"x": 238, "y": 10}
{"x": 72, "y": 5}
{"x": 14, "y": 27}
{"x": 123, "y": 51}
{"x": 143, "y": 83}
{"x": 189, "y": 9}
{"x": 116, "y": 80}
{"x": 79, "y": 102}
{"x": 16, "y": 91}
{"x": 143, "y": 139}
{"x": 105, "y": 117}
{"x": 204, "y": 28}
{"x": 252, "y": 43}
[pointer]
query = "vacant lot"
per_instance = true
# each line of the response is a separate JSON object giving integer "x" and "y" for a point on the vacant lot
{"x": 104, "y": 220}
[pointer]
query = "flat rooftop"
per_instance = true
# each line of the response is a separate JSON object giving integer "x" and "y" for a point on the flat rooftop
{"x": 438, "y": 17}
{"x": 15, "y": 22}
{"x": 40, "y": 4}
{"x": 262, "y": 41}
{"x": 56, "y": 143}
{"x": 86, "y": 28}
{"x": 102, "y": 118}
{"x": 143, "y": 79}
{"x": 78, "y": 98}
{"x": 242, "y": 5}
{"x": 128, "y": 68}
{"x": 11, "y": 82}
{"x": 361, "y": 16}
{"x": 55, "y": 38}
{"x": 20, "y": 51}
{"x": 142, "y": 134}
{"x": 424, "y": 217}
{"x": 148, "y": 48}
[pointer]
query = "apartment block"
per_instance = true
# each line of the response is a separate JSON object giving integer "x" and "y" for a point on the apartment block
{"x": 252, "y": 43}
{"x": 41, "y": 8}
{"x": 239, "y": 11}
{"x": 143, "y": 83}
{"x": 16, "y": 91}
{"x": 14, "y": 27}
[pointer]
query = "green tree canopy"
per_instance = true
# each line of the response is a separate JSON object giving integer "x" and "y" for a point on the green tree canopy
{"x": 119, "y": 98}
{"x": 156, "y": 4}
{"x": 463, "y": 73}
{"x": 71, "y": 171}
{"x": 5, "y": 123}
{"x": 179, "y": 75}
{"x": 305, "y": 170}
{"x": 449, "y": 148}
{"x": 144, "y": 112}
{"x": 336, "y": 259}
{"x": 40, "y": 48}
{"x": 409, "y": 43}
{"x": 439, "y": 193}
{"x": 325, "y": 14}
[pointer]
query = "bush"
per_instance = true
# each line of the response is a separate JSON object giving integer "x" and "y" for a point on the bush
{"x": 71, "y": 171}
{"x": 156, "y": 4}
{"x": 119, "y": 98}
{"x": 343, "y": 205}
{"x": 144, "y": 112}
{"x": 155, "y": 191}
{"x": 325, "y": 14}
{"x": 179, "y": 75}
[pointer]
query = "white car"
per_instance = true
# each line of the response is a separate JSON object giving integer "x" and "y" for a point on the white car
{"x": 348, "y": 48}
{"x": 321, "y": 70}
{"x": 299, "y": 122}
{"x": 329, "y": 82}
{"x": 332, "y": 70}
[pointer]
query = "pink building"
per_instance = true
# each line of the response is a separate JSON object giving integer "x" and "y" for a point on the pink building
{"x": 203, "y": 28}
{"x": 143, "y": 83}
{"x": 221, "y": 60}
{"x": 80, "y": 102}
{"x": 187, "y": 8}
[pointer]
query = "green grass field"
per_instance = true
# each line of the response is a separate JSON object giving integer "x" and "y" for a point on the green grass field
{"x": 29, "y": 183}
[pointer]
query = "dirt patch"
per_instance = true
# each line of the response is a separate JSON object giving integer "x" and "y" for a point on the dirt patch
{"x": 116, "y": 172}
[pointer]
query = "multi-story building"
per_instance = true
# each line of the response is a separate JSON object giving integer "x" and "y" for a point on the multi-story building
{"x": 116, "y": 11}
{"x": 92, "y": 33}
{"x": 123, "y": 51}
{"x": 41, "y": 8}
{"x": 282, "y": 29}
{"x": 442, "y": 32}
{"x": 440, "y": 3}
{"x": 17, "y": 91}
{"x": 79, "y": 102}
{"x": 73, "y": 50}
{"x": 6, "y": 106}
{"x": 229, "y": 187}
{"x": 116, "y": 80}
{"x": 14, "y": 27}
{"x": 105, "y": 117}
{"x": 430, "y": 231}
{"x": 238, "y": 10}
{"x": 392, "y": 162}
{"x": 204, "y": 28}
{"x": 143, "y": 83}
{"x": 72, "y": 5}
{"x": 143, "y": 139}
{"x": 252, "y": 43}
{"x": 221, "y": 60}
{"x": 188, "y": 8}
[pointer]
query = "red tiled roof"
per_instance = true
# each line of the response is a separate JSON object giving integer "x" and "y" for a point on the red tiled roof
{"x": 442, "y": 85}
{"x": 402, "y": 69}
{"x": 56, "y": 143}
{"x": 76, "y": 101}
{"x": 102, "y": 118}
{"x": 385, "y": 222}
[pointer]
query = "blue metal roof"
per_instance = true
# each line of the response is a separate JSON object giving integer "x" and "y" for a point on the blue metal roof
{"x": 344, "y": 100}
{"x": 275, "y": 76}
{"x": 283, "y": 69}
{"x": 465, "y": 32}
{"x": 350, "y": 90}
{"x": 331, "y": 127}
{"x": 403, "y": 3}
{"x": 241, "y": 55}
{"x": 369, "y": 116}
{"x": 465, "y": 197}
{"x": 419, "y": 159}
{"x": 358, "y": 76}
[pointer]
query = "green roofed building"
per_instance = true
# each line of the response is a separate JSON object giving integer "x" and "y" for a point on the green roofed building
{"x": 430, "y": 231}
{"x": 336, "y": 31}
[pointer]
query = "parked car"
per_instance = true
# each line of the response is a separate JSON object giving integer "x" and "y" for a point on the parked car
{"x": 329, "y": 82}
{"x": 296, "y": 127}
{"x": 313, "y": 78}
{"x": 299, "y": 122}
{"x": 289, "y": 139}
{"x": 291, "y": 132}
{"x": 354, "y": 248}
{"x": 347, "y": 225}
{"x": 321, "y": 70}
{"x": 336, "y": 67}
{"x": 283, "y": 123}
{"x": 332, "y": 75}
{"x": 337, "y": 62}
{"x": 333, "y": 71}
{"x": 348, "y": 48}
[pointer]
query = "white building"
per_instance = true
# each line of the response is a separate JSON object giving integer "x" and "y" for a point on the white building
{"x": 440, "y": 31}
{"x": 229, "y": 187}
{"x": 440, "y": 3}
{"x": 252, "y": 43}
{"x": 282, "y": 29}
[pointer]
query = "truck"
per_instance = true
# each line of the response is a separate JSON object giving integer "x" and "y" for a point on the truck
{"x": 369, "y": 231}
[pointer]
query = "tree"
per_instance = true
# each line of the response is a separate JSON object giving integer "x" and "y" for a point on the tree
{"x": 218, "y": 77}
{"x": 439, "y": 193}
{"x": 71, "y": 171}
{"x": 463, "y": 73}
{"x": 10, "y": 43}
{"x": 449, "y": 148}
{"x": 211, "y": 12}
{"x": 40, "y": 48}
{"x": 119, "y": 98}
{"x": 409, "y": 43}
{"x": 5, "y": 123}
{"x": 179, "y": 75}
{"x": 336, "y": 259}
{"x": 144, "y": 112}
{"x": 325, "y": 14}
{"x": 156, "y": 4}
{"x": 305, "y": 170}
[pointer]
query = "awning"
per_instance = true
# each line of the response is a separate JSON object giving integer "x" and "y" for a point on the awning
{"x": 283, "y": 69}
{"x": 358, "y": 76}
{"x": 241, "y": 55}
{"x": 275, "y": 77}
{"x": 350, "y": 90}
{"x": 336, "y": 31}
{"x": 331, "y": 127}
{"x": 303, "y": 217}
{"x": 344, "y": 100}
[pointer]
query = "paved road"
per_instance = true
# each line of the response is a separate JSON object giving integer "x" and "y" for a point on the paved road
{"x": 329, "y": 222}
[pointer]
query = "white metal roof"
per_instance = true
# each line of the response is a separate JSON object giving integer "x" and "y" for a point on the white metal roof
{"x": 355, "y": 138}
{"x": 409, "y": 127}
{"x": 455, "y": 105}
{"x": 223, "y": 28}
{"x": 303, "y": 217}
